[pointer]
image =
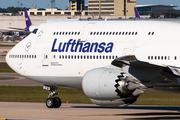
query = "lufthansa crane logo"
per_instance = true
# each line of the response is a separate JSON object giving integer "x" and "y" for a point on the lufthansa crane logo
{"x": 28, "y": 46}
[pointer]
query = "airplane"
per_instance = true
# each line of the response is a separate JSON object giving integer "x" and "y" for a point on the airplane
{"x": 137, "y": 16}
{"x": 114, "y": 62}
{"x": 27, "y": 30}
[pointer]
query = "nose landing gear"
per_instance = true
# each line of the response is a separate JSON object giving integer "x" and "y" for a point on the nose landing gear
{"x": 51, "y": 101}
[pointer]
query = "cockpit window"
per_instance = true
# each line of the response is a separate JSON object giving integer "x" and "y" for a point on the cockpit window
{"x": 35, "y": 31}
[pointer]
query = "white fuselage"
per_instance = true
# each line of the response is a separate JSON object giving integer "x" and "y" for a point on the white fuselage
{"x": 60, "y": 53}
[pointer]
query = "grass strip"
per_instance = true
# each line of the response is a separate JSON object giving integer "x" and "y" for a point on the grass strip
{"x": 5, "y": 68}
{"x": 37, "y": 94}
{"x": 2, "y": 45}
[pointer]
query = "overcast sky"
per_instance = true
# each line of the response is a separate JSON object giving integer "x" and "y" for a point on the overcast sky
{"x": 63, "y": 3}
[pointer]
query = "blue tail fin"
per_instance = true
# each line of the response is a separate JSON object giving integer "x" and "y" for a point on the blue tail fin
{"x": 136, "y": 13}
{"x": 28, "y": 21}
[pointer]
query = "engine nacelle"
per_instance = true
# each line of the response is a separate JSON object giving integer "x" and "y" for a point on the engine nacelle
{"x": 108, "y": 86}
{"x": 99, "y": 84}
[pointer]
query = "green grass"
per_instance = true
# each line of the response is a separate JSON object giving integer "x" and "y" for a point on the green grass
{"x": 1, "y": 45}
{"x": 37, "y": 94}
{"x": 154, "y": 98}
{"x": 5, "y": 68}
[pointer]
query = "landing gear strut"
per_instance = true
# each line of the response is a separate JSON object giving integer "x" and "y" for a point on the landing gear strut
{"x": 51, "y": 101}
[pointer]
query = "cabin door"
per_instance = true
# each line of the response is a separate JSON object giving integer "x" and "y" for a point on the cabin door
{"x": 85, "y": 32}
{"x": 45, "y": 57}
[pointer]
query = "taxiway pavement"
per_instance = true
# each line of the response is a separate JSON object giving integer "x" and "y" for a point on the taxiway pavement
{"x": 20, "y": 110}
{"x": 14, "y": 79}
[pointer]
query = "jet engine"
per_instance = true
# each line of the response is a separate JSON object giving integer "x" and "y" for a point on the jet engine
{"x": 111, "y": 87}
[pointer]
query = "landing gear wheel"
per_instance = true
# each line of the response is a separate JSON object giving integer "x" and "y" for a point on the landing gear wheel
{"x": 50, "y": 102}
{"x": 57, "y": 102}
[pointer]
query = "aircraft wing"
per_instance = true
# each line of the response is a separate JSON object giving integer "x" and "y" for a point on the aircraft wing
{"x": 22, "y": 31}
{"x": 124, "y": 60}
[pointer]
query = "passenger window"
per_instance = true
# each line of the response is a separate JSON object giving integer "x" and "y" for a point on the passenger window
{"x": 78, "y": 56}
{"x": 75, "y": 57}
{"x": 72, "y": 33}
{"x": 71, "y": 56}
{"x": 29, "y": 56}
{"x": 78, "y": 33}
{"x": 88, "y": 57}
{"x": 54, "y": 56}
{"x": 103, "y": 57}
{"x": 109, "y": 57}
{"x": 35, "y": 33}
{"x": 66, "y": 33}
{"x": 100, "y": 33}
{"x": 63, "y": 33}
{"x": 59, "y": 56}
{"x": 126, "y": 33}
{"x": 132, "y": 33}
{"x": 97, "y": 33}
{"x": 69, "y": 33}
{"x": 123, "y": 33}
{"x": 104, "y": 33}
{"x": 113, "y": 33}
{"x": 94, "y": 33}
{"x": 107, "y": 33}
{"x": 91, "y": 33}
{"x": 149, "y": 33}
{"x": 81, "y": 57}
{"x": 91, "y": 57}
{"x": 59, "y": 33}
{"x": 129, "y": 33}
{"x": 175, "y": 58}
{"x": 152, "y": 33}
{"x": 136, "y": 33}
{"x": 116, "y": 33}
{"x": 119, "y": 33}
{"x": 63, "y": 57}
{"x": 75, "y": 33}
{"x": 84, "y": 57}
{"x": 110, "y": 33}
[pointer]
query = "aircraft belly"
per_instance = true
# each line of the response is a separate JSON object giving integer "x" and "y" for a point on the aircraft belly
{"x": 63, "y": 81}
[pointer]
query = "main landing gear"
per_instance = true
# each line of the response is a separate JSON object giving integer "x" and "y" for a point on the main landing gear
{"x": 51, "y": 101}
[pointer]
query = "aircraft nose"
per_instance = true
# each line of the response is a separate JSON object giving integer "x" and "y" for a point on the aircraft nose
{"x": 7, "y": 58}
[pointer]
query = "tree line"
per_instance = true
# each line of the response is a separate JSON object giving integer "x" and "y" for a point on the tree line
{"x": 11, "y": 9}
